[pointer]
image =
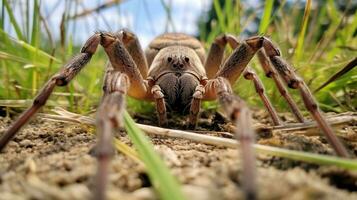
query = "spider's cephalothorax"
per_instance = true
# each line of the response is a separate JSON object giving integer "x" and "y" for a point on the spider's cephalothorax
{"x": 175, "y": 73}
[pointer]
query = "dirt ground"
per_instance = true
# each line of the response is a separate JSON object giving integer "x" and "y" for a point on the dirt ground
{"x": 54, "y": 160}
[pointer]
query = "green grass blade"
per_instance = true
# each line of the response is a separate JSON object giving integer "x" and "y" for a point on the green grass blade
{"x": 13, "y": 20}
{"x": 307, "y": 157}
{"x": 220, "y": 15}
{"x": 301, "y": 38}
{"x": 21, "y": 60}
{"x": 2, "y": 20}
{"x": 264, "y": 23}
{"x": 338, "y": 74}
{"x": 229, "y": 15}
{"x": 29, "y": 47}
{"x": 7, "y": 56}
{"x": 165, "y": 184}
{"x": 35, "y": 24}
{"x": 127, "y": 150}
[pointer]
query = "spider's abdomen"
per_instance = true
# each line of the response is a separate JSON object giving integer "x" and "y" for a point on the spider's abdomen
{"x": 174, "y": 39}
{"x": 178, "y": 88}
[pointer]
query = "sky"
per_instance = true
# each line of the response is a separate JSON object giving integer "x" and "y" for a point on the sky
{"x": 146, "y": 18}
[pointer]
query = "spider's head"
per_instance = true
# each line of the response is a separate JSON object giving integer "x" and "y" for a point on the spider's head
{"x": 177, "y": 70}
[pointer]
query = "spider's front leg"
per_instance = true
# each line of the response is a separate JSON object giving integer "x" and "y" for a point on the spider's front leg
{"x": 122, "y": 77}
{"x": 236, "y": 109}
{"x": 67, "y": 73}
{"x": 109, "y": 117}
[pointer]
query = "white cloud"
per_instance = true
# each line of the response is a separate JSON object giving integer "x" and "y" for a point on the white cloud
{"x": 193, "y": 4}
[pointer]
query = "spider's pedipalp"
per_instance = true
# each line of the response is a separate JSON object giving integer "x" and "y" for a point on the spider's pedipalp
{"x": 160, "y": 104}
{"x": 195, "y": 106}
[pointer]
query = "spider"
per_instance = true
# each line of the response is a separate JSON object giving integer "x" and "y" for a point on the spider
{"x": 175, "y": 73}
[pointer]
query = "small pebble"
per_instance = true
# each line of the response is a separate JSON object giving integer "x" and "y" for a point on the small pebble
{"x": 26, "y": 143}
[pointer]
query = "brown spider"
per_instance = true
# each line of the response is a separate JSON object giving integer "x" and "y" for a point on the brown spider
{"x": 176, "y": 74}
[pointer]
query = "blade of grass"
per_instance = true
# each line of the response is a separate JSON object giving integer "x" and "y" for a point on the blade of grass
{"x": 29, "y": 47}
{"x": 2, "y": 21}
{"x": 35, "y": 24}
{"x": 6, "y": 56}
{"x": 165, "y": 184}
{"x": 301, "y": 38}
{"x": 24, "y": 103}
{"x": 34, "y": 80}
{"x": 127, "y": 150}
{"x": 220, "y": 15}
{"x": 307, "y": 157}
{"x": 13, "y": 20}
{"x": 27, "y": 19}
{"x": 264, "y": 23}
{"x": 340, "y": 73}
{"x": 261, "y": 149}
{"x": 168, "y": 10}
{"x": 229, "y": 15}
{"x": 19, "y": 59}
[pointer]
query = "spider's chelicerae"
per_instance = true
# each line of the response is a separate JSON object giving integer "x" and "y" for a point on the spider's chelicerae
{"x": 176, "y": 74}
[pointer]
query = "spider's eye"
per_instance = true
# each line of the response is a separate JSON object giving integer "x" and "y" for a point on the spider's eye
{"x": 187, "y": 59}
{"x": 169, "y": 59}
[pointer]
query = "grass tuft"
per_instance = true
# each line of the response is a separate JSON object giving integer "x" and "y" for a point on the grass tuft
{"x": 165, "y": 184}
{"x": 301, "y": 38}
{"x": 265, "y": 21}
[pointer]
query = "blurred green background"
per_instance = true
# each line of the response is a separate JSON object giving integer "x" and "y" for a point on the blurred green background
{"x": 37, "y": 37}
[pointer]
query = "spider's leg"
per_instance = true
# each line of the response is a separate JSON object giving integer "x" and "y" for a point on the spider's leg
{"x": 122, "y": 77}
{"x": 270, "y": 72}
{"x": 216, "y": 53}
{"x": 295, "y": 82}
{"x": 160, "y": 104}
{"x": 109, "y": 117}
{"x": 195, "y": 106}
{"x": 237, "y": 62}
{"x": 259, "y": 88}
{"x": 67, "y": 73}
{"x": 235, "y": 66}
{"x": 133, "y": 46}
{"x": 121, "y": 60}
{"x": 238, "y": 112}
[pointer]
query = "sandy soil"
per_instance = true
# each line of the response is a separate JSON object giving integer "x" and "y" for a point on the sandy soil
{"x": 54, "y": 160}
